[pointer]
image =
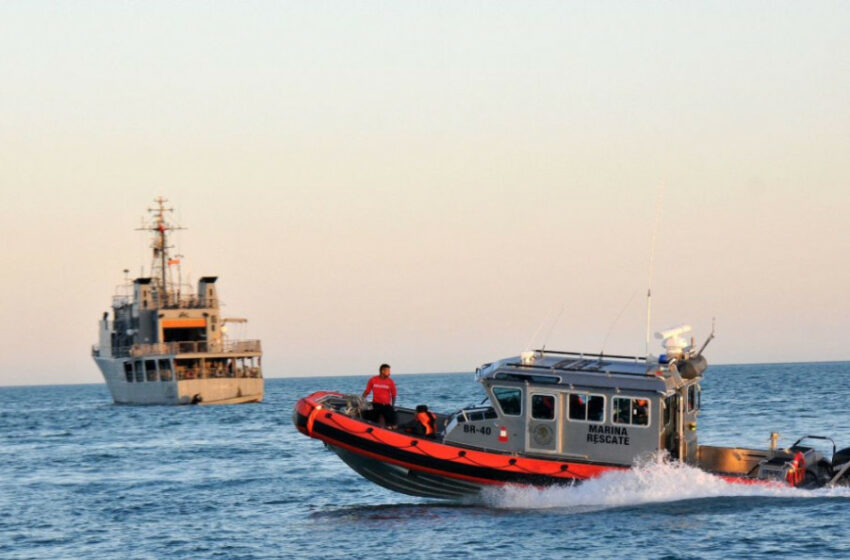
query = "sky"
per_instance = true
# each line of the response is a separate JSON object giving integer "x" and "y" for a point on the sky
{"x": 434, "y": 185}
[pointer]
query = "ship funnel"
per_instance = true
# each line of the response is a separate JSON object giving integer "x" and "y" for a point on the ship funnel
{"x": 207, "y": 292}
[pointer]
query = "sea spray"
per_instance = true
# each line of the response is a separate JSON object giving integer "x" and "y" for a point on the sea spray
{"x": 650, "y": 481}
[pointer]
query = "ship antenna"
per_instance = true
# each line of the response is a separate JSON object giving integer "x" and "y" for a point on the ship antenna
{"x": 160, "y": 226}
{"x": 179, "y": 258}
{"x": 658, "y": 200}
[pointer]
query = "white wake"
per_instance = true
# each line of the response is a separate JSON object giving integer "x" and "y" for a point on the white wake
{"x": 650, "y": 482}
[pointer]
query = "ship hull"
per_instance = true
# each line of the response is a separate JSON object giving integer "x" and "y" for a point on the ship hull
{"x": 406, "y": 480}
{"x": 225, "y": 390}
{"x": 424, "y": 467}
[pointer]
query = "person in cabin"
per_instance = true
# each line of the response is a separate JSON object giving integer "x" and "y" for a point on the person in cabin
{"x": 640, "y": 415}
{"x": 596, "y": 409}
{"x": 424, "y": 423}
{"x": 383, "y": 396}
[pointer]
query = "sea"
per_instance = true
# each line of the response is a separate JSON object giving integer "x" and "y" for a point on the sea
{"x": 81, "y": 477}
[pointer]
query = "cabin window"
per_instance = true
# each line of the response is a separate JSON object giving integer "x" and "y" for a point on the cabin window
{"x": 165, "y": 370}
{"x": 584, "y": 407}
{"x": 477, "y": 415}
{"x": 543, "y": 407}
{"x": 510, "y": 400}
{"x": 669, "y": 407}
{"x": 693, "y": 398}
{"x": 140, "y": 373}
{"x": 150, "y": 370}
{"x": 634, "y": 411}
{"x": 128, "y": 371}
{"x": 187, "y": 369}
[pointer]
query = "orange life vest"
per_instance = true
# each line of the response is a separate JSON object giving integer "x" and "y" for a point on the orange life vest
{"x": 428, "y": 421}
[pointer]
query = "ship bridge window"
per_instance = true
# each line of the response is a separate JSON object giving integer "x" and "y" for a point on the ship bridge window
{"x": 510, "y": 400}
{"x": 694, "y": 394}
{"x": 128, "y": 371}
{"x": 165, "y": 370}
{"x": 634, "y": 411}
{"x": 585, "y": 407}
{"x": 139, "y": 372}
{"x": 543, "y": 407}
{"x": 184, "y": 330}
{"x": 150, "y": 370}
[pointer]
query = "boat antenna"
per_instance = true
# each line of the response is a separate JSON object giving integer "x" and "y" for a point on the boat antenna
{"x": 658, "y": 200}
{"x": 537, "y": 331}
{"x": 539, "y": 327}
{"x": 707, "y": 340}
{"x": 614, "y": 322}
{"x": 552, "y": 327}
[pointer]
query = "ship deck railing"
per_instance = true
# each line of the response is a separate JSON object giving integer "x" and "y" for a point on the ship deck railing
{"x": 186, "y": 347}
{"x": 196, "y": 347}
{"x": 171, "y": 301}
{"x": 184, "y": 374}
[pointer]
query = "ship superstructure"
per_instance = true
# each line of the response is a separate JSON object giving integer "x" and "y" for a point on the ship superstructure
{"x": 167, "y": 344}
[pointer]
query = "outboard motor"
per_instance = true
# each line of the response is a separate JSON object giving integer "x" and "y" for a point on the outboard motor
{"x": 841, "y": 467}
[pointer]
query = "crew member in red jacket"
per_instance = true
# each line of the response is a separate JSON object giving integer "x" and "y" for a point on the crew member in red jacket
{"x": 383, "y": 396}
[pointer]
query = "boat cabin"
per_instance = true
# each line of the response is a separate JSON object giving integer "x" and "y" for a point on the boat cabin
{"x": 596, "y": 408}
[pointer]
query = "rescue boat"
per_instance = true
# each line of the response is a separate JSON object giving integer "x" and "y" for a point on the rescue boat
{"x": 559, "y": 418}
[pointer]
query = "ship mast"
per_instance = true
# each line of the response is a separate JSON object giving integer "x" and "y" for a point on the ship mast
{"x": 159, "y": 225}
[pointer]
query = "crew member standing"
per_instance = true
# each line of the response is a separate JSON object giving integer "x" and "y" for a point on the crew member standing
{"x": 383, "y": 396}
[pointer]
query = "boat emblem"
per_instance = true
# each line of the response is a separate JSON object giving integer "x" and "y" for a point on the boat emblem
{"x": 542, "y": 434}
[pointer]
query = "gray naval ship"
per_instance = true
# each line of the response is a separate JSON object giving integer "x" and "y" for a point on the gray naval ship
{"x": 168, "y": 344}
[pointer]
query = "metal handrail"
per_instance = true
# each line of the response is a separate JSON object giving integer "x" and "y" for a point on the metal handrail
{"x": 591, "y": 355}
{"x": 194, "y": 347}
{"x": 188, "y": 302}
{"x": 184, "y": 374}
{"x": 520, "y": 365}
{"x": 171, "y": 302}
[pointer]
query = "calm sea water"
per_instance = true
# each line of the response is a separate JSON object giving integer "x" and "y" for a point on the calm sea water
{"x": 83, "y": 478}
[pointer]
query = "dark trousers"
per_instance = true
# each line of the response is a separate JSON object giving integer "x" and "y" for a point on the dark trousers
{"x": 385, "y": 411}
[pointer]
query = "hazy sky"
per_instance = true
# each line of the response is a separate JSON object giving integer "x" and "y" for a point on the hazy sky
{"x": 429, "y": 184}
